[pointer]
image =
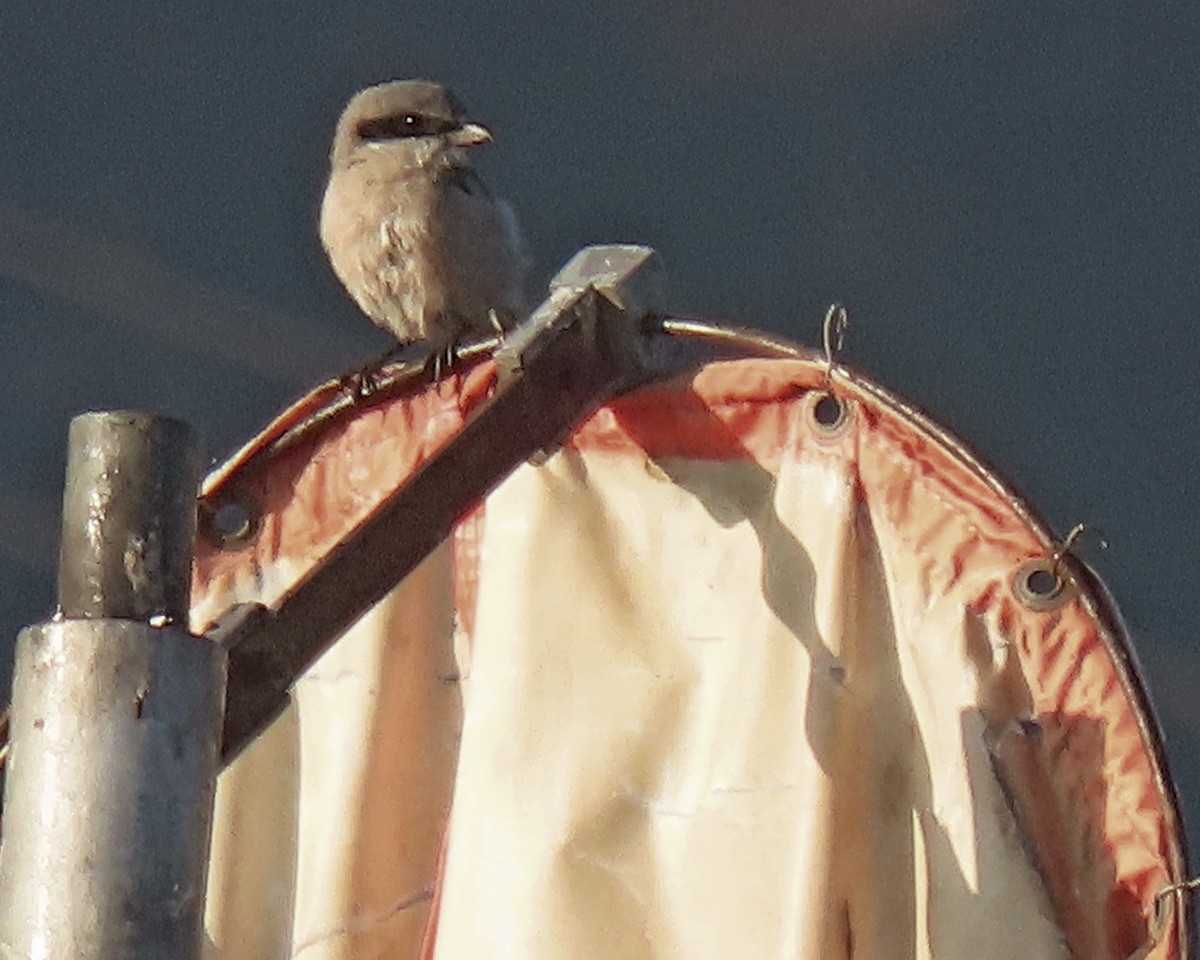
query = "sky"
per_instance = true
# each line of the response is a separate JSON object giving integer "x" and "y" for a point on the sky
{"x": 1005, "y": 196}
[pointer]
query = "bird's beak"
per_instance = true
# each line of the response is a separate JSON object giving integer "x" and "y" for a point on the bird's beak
{"x": 469, "y": 135}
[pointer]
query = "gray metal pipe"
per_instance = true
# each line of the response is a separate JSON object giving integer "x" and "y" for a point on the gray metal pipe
{"x": 116, "y": 722}
{"x": 129, "y": 517}
{"x": 108, "y": 805}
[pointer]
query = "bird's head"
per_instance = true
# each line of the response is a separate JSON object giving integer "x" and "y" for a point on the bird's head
{"x": 415, "y": 116}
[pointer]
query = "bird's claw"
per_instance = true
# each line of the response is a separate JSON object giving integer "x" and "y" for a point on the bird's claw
{"x": 442, "y": 360}
{"x": 362, "y": 382}
{"x": 368, "y": 378}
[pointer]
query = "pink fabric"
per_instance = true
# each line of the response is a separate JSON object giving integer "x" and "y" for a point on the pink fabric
{"x": 1067, "y": 747}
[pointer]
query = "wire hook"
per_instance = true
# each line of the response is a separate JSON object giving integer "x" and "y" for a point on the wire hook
{"x": 1183, "y": 886}
{"x": 833, "y": 335}
{"x": 1158, "y": 919}
{"x": 1066, "y": 547}
{"x": 1172, "y": 889}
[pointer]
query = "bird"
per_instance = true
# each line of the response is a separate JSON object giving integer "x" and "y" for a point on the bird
{"x": 411, "y": 230}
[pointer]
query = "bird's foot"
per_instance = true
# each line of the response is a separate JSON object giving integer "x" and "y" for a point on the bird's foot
{"x": 361, "y": 383}
{"x": 364, "y": 381}
{"x": 494, "y": 320}
{"x": 442, "y": 360}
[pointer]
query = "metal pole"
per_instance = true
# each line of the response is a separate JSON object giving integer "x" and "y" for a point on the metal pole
{"x": 116, "y": 718}
{"x": 129, "y": 518}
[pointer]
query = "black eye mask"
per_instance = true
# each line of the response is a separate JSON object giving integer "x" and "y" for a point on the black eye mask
{"x": 401, "y": 125}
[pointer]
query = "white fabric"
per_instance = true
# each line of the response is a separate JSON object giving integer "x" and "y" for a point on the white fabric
{"x": 667, "y": 753}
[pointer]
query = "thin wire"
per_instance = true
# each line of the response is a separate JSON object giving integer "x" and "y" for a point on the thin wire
{"x": 1183, "y": 886}
{"x": 1067, "y": 547}
{"x": 833, "y": 335}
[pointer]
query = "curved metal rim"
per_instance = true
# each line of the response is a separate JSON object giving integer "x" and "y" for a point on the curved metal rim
{"x": 729, "y": 342}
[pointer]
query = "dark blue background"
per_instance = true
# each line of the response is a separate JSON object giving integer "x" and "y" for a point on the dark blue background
{"x": 1005, "y": 195}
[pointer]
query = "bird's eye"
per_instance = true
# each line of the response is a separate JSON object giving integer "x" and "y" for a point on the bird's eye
{"x": 401, "y": 125}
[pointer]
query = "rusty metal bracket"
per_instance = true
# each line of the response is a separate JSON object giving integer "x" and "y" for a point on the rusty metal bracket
{"x": 585, "y": 343}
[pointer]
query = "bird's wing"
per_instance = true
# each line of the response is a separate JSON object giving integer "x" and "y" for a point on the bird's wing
{"x": 484, "y": 259}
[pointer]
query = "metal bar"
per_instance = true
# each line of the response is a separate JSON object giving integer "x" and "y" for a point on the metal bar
{"x": 108, "y": 799}
{"x": 576, "y": 349}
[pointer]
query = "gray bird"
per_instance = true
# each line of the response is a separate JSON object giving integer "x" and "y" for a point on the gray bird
{"x": 411, "y": 231}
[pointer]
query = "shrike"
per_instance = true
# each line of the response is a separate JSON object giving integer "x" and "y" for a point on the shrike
{"x": 411, "y": 231}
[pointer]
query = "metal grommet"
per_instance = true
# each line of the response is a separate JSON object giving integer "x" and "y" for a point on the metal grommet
{"x": 830, "y": 414}
{"x": 1043, "y": 584}
{"x": 1040, "y": 585}
{"x": 229, "y": 523}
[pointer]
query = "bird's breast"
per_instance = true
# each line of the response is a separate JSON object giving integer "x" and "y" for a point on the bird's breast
{"x": 376, "y": 231}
